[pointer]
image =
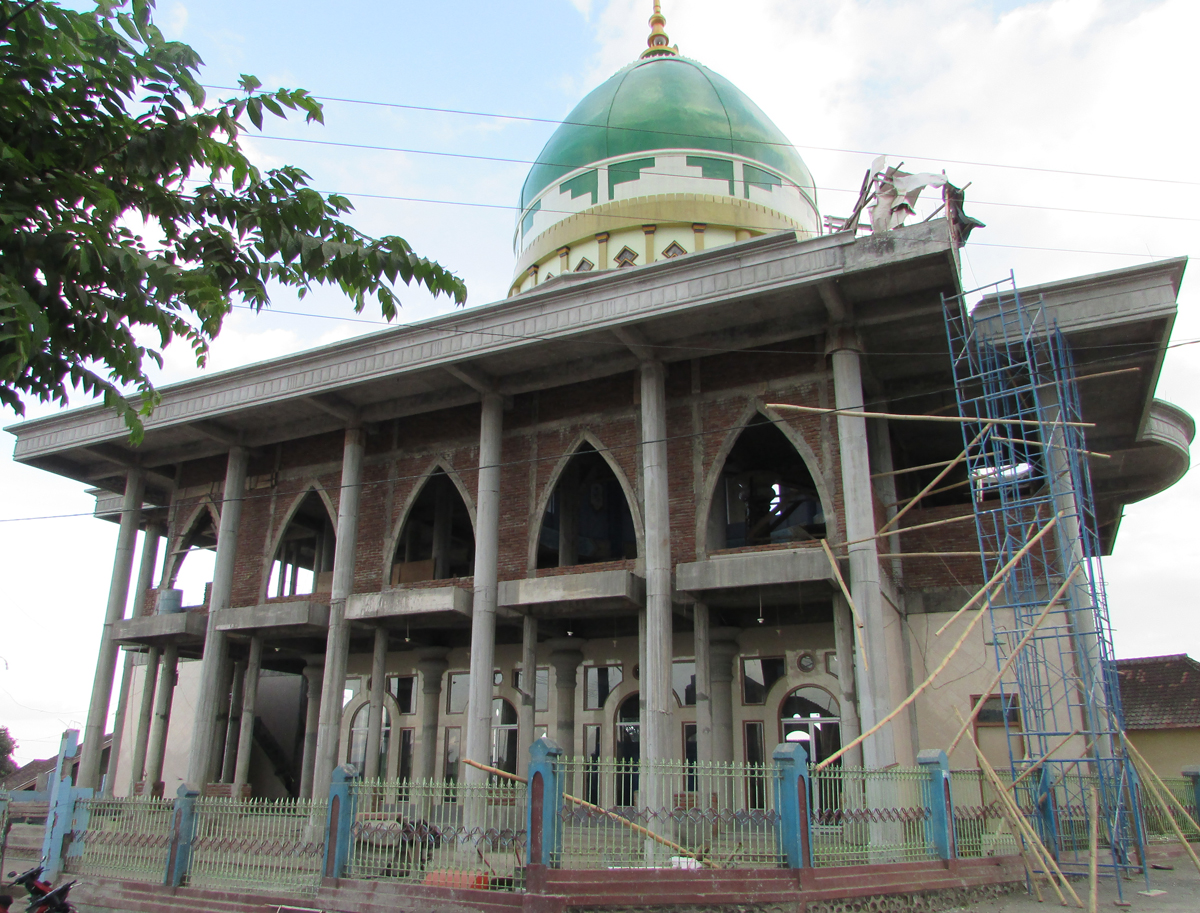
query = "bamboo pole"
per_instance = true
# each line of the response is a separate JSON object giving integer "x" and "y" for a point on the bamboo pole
{"x": 1093, "y": 848}
{"x": 937, "y": 491}
{"x": 1058, "y": 594}
{"x": 941, "y": 475}
{"x": 888, "y": 555}
{"x": 1000, "y": 573}
{"x": 1042, "y": 760}
{"x": 907, "y": 529}
{"x": 1021, "y": 440}
{"x": 1156, "y": 782}
{"x": 1035, "y": 842}
{"x": 596, "y": 808}
{"x": 906, "y": 469}
{"x": 858, "y": 622}
{"x": 908, "y": 700}
{"x": 902, "y": 417}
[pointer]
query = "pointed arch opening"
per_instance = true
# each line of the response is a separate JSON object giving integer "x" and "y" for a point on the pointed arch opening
{"x": 587, "y": 518}
{"x": 303, "y": 561}
{"x": 190, "y": 565}
{"x": 437, "y": 541}
{"x": 765, "y": 493}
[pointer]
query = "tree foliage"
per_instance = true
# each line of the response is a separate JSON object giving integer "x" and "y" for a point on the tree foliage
{"x": 7, "y": 746}
{"x": 105, "y": 131}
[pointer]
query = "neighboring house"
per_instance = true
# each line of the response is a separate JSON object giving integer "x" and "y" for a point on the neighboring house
{"x": 1161, "y": 698}
{"x": 37, "y": 774}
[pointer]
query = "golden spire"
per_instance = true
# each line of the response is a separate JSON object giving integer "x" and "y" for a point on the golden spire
{"x": 658, "y": 44}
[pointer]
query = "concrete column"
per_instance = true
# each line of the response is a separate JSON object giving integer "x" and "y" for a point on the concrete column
{"x": 701, "y": 644}
{"x": 656, "y": 670}
{"x": 483, "y": 619}
{"x": 565, "y": 657}
{"x": 723, "y": 652}
{"x": 145, "y": 718}
{"x": 568, "y": 515}
{"x": 314, "y": 675}
{"x": 337, "y": 644}
{"x": 602, "y": 251}
{"x": 233, "y": 728}
{"x": 874, "y": 691}
{"x": 843, "y": 640}
{"x": 167, "y": 676}
{"x": 245, "y": 742}
{"x": 106, "y": 659}
{"x": 221, "y": 726}
{"x": 525, "y": 712}
{"x": 215, "y": 646}
{"x": 144, "y": 580}
{"x": 375, "y": 711}
{"x": 431, "y": 663}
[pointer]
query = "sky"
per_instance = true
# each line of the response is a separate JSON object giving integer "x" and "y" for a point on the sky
{"x": 1070, "y": 119}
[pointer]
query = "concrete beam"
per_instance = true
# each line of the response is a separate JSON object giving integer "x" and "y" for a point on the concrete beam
{"x": 591, "y": 592}
{"x": 752, "y": 569}
{"x": 403, "y": 603}
{"x": 636, "y": 341}
{"x": 479, "y": 381}
{"x": 274, "y": 615}
{"x": 334, "y": 405}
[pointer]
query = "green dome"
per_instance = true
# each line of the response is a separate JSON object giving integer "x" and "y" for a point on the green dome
{"x": 664, "y": 102}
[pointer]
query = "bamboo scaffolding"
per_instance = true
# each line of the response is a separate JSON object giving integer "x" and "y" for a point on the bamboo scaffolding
{"x": 902, "y": 417}
{"x": 1040, "y": 761}
{"x": 858, "y": 622}
{"x": 885, "y": 555}
{"x": 1016, "y": 651}
{"x": 1156, "y": 782}
{"x": 1008, "y": 566}
{"x": 646, "y": 832}
{"x": 941, "y": 475}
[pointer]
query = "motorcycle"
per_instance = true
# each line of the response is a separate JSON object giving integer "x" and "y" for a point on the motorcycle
{"x": 43, "y": 897}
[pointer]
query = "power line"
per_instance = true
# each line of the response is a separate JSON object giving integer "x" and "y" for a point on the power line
{"x": 925, "y": 158}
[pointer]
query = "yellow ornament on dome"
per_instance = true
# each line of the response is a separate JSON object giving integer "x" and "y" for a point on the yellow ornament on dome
{"x": 659, "y": 44}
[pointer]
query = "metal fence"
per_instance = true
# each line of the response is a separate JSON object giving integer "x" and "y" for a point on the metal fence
{"x": 439, "y": 832}
{"x": 1157, "y": 825}
{"x": 979, "y": 827}
{"x": 700, "y": 815}
{"x": 122, "y": 838}
{"x": 861, "y": 817}
{"x": 273, "y": 844}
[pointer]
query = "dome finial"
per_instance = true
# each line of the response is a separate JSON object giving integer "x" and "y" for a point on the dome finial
{"x": 658, "y": 44}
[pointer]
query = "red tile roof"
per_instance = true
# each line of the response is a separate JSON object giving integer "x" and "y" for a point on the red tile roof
{"x": 1160, "y": 692}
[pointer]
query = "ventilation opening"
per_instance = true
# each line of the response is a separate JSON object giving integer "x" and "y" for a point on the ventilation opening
{"x": 765, "y": 494}
{"x": 304, "y": 560}
{"x": 588, "y": 519}
{"x": 437, "y": 541}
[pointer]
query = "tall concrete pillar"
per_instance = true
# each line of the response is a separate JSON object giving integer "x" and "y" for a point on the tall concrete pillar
{"x": 221, "y": 726}
{"x": 144, "y": 579}
{"x": 375, "y": 710}
{"x": 245, "y": 742}
{"x": 432, "y": 665}
{"x": 314, "y": 676}
{"x": 723, "y": 653}
{"x": 167, "y": 677}
{"x": 233, "y": 728}
{"x": 656, "y": 670}
{"x": 565, "y": 657}
{"x": 483, "y": 618}
{"x": 702, "y": 645}
{"x": 528, "y": 706}
{"x": 145, "y": 719}
{"x": 106, "y": 659}
{"x": 874, "y": 687}
{"x": 215, "y": 647}
{"x": 337, "y": 644}
{"x": 843, "y": 640}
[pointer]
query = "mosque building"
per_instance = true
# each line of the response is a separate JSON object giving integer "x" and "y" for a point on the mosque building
{"x": 617, "y": 507}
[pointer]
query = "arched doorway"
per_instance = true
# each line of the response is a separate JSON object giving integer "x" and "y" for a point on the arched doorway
{"x": 504, "y": 735}
{"x": 437, "y": 541}
{"x": 628, "y": 749}
{"x": 765, "y": 493}
{"x": 587, "y": 518}
{"x": 359, "y": 724}
{"x": 811, "y": 716}
{"x": 304, "y": 559}
{"x": 191, "y": 565}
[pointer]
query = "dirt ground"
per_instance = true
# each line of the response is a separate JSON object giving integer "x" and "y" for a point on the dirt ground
{"x": 1182, "y": 887}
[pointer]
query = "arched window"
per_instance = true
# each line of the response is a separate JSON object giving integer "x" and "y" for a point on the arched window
{"x": 587, "y": 519}
{"x": 765, "y": 493}
{"x": 191, "y": 566}
{"x": 629, "y": 749}
{"x": 437, "y": 541}
{"x": 504, "y": 735}
{"x": 811, "y": 716}
{"x": 359, "y": 724}
{"x": 304, "y": 560}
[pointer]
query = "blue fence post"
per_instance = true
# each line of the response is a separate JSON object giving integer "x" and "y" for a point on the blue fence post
{"x": 68, "y": 747}
{"x": 58, "y": 826}
{"x": 543, "y": 825}
{"x": 183, "y": 830}
{"x": 1046, "y": 812}
{"x": 792, "y": 803}
{"x": 339, "y": 820}
{"x": 1193, "y": 774}
{"x": 936, "y": 790}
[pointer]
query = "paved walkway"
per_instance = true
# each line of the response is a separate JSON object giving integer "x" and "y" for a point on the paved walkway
{"x": 1182, "y": 886}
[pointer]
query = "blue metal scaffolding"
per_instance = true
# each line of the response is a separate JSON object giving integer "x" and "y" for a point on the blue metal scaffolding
{"x": 1027, "y": 464}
